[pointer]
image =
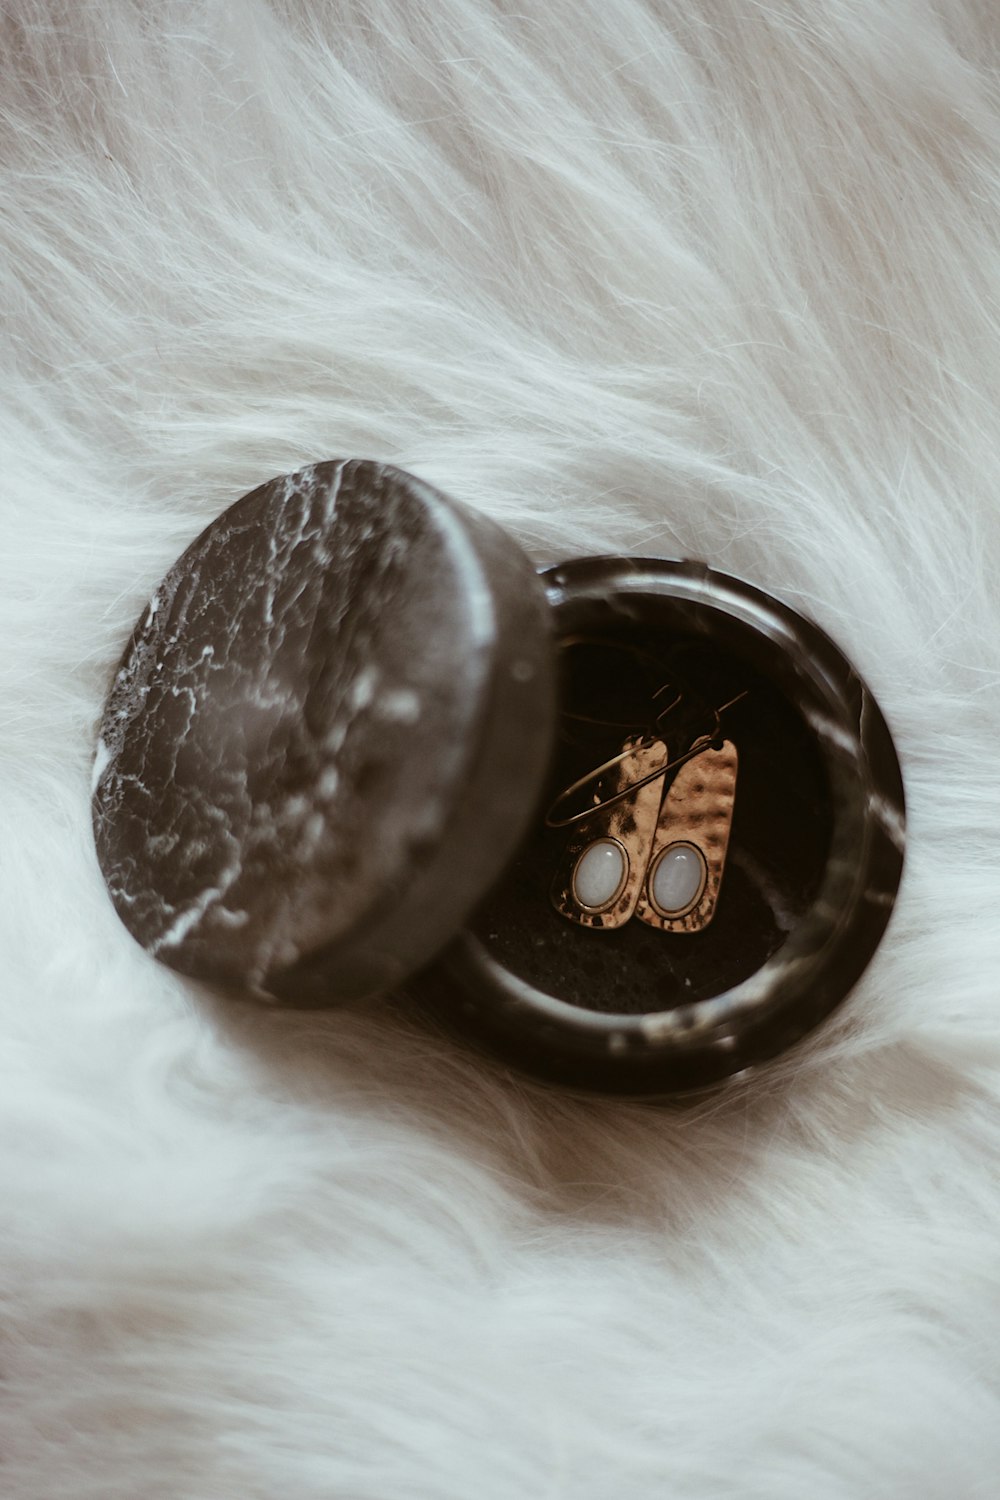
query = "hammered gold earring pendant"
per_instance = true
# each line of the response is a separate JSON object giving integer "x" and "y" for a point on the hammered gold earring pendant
{"x": 645, "y": 852}
{"x": 599, "y": 882}
{"x": 681, "y": 888}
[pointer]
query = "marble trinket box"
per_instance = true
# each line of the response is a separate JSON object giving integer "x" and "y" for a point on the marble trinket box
{"x": 334, "y": 748}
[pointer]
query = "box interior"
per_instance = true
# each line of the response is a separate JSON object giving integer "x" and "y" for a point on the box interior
{"x": 779, "y": 841}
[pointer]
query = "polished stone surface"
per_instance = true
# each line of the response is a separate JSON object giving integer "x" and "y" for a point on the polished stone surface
{"x": 321, "y": 745}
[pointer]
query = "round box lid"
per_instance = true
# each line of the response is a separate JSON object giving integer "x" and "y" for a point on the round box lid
{"x": 326, "y": 737}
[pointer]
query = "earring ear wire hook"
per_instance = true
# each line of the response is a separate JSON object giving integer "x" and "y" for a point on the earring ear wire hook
{"x": 639, "y": 654}
{"x": 702, "y": 743}
{"x": 627, "y": 791}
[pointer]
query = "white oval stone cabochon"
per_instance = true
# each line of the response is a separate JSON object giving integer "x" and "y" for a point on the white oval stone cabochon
{"x": 678, "y": 879}
{"x": 600, "y": 873}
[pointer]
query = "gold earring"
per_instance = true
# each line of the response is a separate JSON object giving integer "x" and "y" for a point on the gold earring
{"x": 599, "y": 880}
{"x": 688, "y": 857}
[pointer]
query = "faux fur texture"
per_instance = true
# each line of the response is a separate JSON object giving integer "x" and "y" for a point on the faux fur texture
{"x": 703, "y": 277}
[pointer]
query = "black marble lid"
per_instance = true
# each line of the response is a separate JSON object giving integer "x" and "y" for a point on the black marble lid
{"x": 326, "y": 737}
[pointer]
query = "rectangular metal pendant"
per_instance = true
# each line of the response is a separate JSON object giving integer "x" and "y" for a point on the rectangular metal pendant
{"x": 681, "y": 887}
{"x": 599, "y": 880}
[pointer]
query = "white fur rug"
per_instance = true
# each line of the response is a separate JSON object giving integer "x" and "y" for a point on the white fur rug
{"x": 699, "y": 277}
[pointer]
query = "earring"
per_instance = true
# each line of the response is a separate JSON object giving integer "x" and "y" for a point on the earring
{"x": 599, "y": 881}
{"x": 681, "y": 888}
